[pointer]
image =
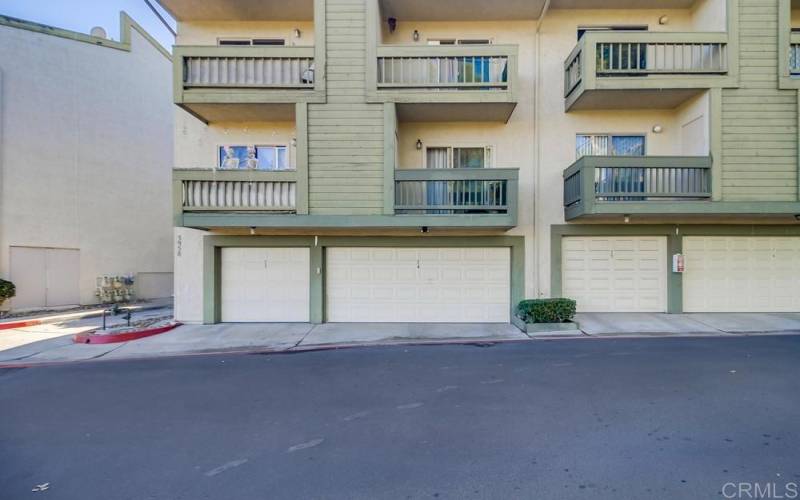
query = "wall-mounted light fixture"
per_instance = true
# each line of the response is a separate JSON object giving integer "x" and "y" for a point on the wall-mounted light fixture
{"x": 392, "y": 22}
{"x": 626, "y": 218}
{"x": 297, "y": 33}
{"x": 657, "y": 129}
{"x": 419, "y": 144}
{"x": 663, "y": 20}
{"x": 294, "y": 142}
{"x": 797, "y": 217}
{"x": 415, "y": 36}
{"x": 252, "y": 231}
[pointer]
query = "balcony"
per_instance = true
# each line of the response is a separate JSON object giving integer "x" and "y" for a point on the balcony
{"x": 640, "y": 70}
{"x": 244, "y": 83}
{"x": 237, "y": 191}
{"x": 479, "y": 196}
{"x": 604, "y": 185}
{"x": 447, "y": 82}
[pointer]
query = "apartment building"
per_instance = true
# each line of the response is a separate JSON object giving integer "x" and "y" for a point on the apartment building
{"x": 85, "y": 164}
{"x": 411, "y": 161}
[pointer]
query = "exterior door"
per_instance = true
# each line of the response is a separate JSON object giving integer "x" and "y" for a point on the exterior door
{"x": 615, "y": 274}
{"x": 741, "y": 274}
{"x": 45, "y": 277}
{"x": 450, "y": 285}
{"x": 265, "y": 285}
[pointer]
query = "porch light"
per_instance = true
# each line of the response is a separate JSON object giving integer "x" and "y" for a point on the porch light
{"x": 419, "y": 144}
{"x": 797, "y": 217}
{"x": 627, "y": 218}
{"x": 392, "y": 22}
{"x": 252, "y": 231}
{"x": 657, "y": 129}
{"x": 416, "y": 36}
{"x": 297, "y": 33}
{"x": 663, "y": 20}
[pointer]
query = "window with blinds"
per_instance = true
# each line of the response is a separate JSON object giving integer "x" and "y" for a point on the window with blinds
{"x": 609, "y": 145}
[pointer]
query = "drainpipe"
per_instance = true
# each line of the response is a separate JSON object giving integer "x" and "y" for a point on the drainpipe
{"x": 538, "y": 148}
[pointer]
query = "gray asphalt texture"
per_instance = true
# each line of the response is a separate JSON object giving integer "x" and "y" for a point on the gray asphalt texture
{"x": 583, "y": 419}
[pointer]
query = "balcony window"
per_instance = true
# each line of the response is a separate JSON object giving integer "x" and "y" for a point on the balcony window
{"x": 609, "y": 145}
{"x": 253, "y": 158}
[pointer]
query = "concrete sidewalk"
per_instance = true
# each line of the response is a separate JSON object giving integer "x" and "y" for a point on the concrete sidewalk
{"x": 694, "y": 324}
{"x": 53, "y": 343}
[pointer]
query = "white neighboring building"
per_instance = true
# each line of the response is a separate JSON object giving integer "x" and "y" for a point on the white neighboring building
{"x": 86, "y": 141}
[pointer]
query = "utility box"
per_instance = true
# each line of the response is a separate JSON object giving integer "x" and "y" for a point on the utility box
{"x": 678, "y": 263}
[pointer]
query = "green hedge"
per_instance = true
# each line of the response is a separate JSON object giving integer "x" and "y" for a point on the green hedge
{"x": 7, "y": 290}
{"x": 546, "y": 310}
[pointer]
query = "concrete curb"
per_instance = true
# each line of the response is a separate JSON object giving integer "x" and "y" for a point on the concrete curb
{"x": 113, "y": 338}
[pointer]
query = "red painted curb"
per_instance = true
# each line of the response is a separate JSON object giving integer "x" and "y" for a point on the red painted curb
{"x": 92, "y": 338}
{"x": 20, "y": 324}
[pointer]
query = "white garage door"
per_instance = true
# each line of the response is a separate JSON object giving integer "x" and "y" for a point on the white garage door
{"x": 265, "y": 284}
{"x": 615, "y": 274}
{"x": 451, "y": 285}
{"x": 741, "y": 274}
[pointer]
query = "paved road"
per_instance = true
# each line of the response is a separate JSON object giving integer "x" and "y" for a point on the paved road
{"x": 584, "y": 419}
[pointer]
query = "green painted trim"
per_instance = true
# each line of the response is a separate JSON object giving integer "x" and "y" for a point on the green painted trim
{"x": 674, "y": 234}
{"x": 177, "y": 203}
{"x": 126, "y": 23}
{"x": 456, "y": 174}
{"x": 715, "y": 143}
{"x": 301, "y": 124}
{"x": 244, "y": 220}
{"x": 212, "y": 174}
{"x": 320, "y": 50}
{"x": 389, "y": 155}
{"x": 212, "y": 245}
{"x": 373, "y": 20}
{"x": 732, "y": 13}
{"x": 785, "y": 35}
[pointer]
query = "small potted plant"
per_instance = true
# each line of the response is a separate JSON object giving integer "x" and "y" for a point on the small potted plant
{"x": 546, "y": 315}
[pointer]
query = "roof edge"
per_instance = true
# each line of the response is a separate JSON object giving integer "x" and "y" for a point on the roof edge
{"x": 126, "y": 24}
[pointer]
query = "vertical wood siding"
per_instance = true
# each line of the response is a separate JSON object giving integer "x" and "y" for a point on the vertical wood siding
{"x": 346, "y": 133}
{"x": 759, "y": 121}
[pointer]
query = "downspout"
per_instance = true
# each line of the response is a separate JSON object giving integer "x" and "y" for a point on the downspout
{"x": 538, "y": 147}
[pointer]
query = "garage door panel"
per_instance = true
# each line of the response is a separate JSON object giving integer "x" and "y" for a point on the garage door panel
{"x": 265, "y": 284}
{"x": 615, "y": 274}
{"x": 741, "y": 274}
{"x": 426, "y": 285}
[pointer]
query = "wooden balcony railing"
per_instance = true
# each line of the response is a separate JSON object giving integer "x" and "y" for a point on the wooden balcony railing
{"x": 447, "y": 67}
{"x": 456, "y": 191}
{"x": 606, "y": 54}
{"x": 245, "y": 67}
{"x": 611, "y": 179}
{"x": 237, "y": 190}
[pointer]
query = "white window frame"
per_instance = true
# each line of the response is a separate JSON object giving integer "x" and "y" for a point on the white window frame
{"x": 289, "y": 164}
{"x": 488, "y": 153}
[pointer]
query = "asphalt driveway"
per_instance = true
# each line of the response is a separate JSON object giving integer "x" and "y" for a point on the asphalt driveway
{"x": 618, "y": 419}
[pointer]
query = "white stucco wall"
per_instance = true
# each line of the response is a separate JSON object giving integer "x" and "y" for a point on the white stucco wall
{"x": 197, "y": 144}
{"x": 188, "y": 254}
{"x": 86, "y": 154}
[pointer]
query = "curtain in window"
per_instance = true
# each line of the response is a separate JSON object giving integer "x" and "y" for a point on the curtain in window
{"x": 591, "y": 145}
{"x": 627, "y": 145}
{"x": 436, "y": 191}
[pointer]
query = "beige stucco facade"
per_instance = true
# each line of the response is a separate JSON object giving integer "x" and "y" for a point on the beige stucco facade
{"x": 86, "y": 152}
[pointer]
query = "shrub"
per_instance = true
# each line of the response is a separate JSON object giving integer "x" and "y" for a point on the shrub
{"x": 7, "y": 290}
{"x": 546, "y": 310}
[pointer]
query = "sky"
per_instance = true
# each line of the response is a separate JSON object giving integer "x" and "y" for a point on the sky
{"x": 82, "y": 15}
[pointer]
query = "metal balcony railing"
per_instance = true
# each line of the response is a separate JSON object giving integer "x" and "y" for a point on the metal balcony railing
{"x": 456, "y": 191}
